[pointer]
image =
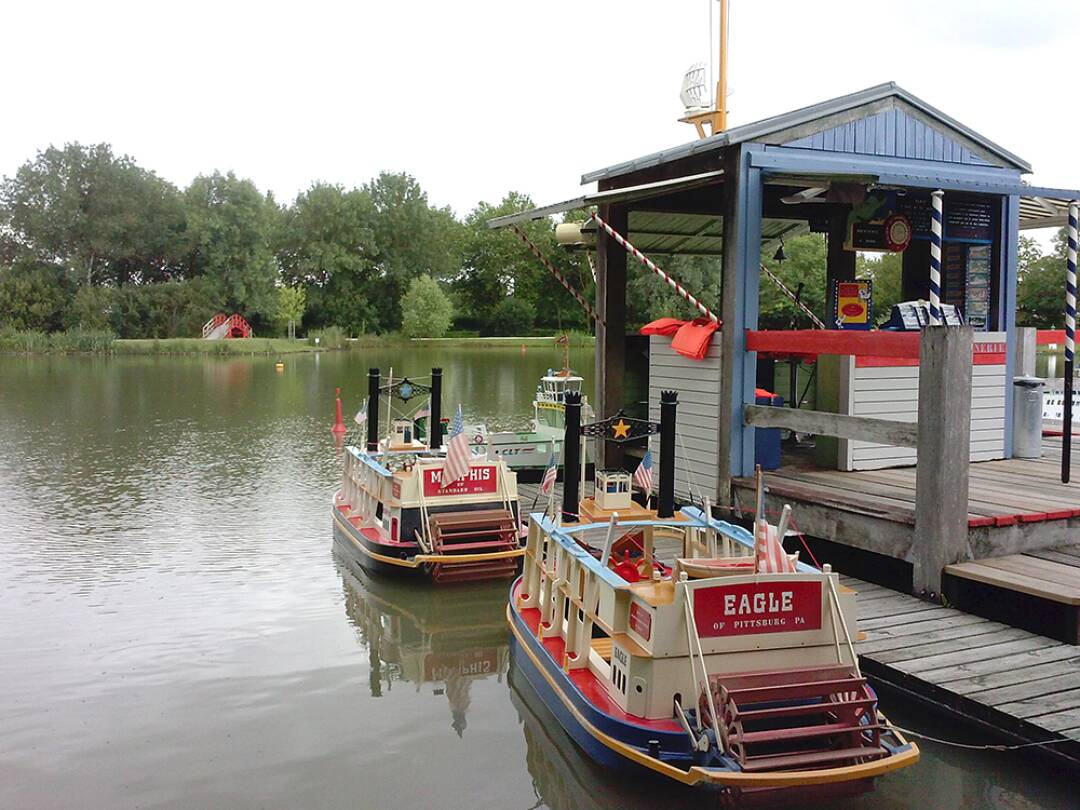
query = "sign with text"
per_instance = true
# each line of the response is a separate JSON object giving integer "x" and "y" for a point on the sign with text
{"x": 757, "y": 607}
{"x": 640, "y": 620}
{"x": 441, "y": 666}
{"x": 477, "y": 480}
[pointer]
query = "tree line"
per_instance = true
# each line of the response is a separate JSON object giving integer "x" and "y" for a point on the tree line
{"x": 92, "y": 240}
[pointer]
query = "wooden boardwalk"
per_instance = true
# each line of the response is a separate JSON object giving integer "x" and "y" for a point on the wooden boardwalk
{"x": 1010, "y": 682}
{"x": 1014, "y": 505}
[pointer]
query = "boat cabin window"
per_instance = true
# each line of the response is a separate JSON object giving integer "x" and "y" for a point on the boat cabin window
{"x": 612, "y": 488}
{"x": 403, "y": 431}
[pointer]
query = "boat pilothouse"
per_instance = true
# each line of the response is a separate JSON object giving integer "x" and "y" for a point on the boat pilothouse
{"x": 401, "y": 509}
{"x": 688, "y": 646}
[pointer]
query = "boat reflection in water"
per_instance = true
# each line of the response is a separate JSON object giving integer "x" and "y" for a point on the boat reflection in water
{"x": 445, "y": 638}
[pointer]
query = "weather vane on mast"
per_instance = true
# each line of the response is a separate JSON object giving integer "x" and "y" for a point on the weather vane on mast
{"x": 694, "y": 93}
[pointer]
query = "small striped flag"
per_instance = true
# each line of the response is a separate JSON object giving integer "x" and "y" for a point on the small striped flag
{"x": 457, "y": 453}
{"x": 361, "y": 415}
{"x": 643, "y": 473}
{"x": 769, "y": 554}
{"x": 547, "y": 483}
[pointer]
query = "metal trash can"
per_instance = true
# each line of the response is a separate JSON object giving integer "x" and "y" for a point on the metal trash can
{"x": 1027, "y": 416}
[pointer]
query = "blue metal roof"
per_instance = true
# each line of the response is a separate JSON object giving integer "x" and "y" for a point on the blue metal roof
{"x": 804, "y": 119}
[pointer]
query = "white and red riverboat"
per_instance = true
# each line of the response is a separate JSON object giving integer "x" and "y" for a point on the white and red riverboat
{"x": 676, "y": 643}
{"x": 397, "y": 513}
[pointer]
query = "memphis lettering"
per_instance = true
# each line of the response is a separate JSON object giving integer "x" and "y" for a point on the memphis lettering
{"x": 475, "y": 474}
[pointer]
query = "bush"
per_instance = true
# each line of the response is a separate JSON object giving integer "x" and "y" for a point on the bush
{"x": 513, "y": 316}
{"x": 426, "y": 311}
{"x": 74, "y": 340}
{"x": 332, "y": 337}
{"x": 33, "y": 297}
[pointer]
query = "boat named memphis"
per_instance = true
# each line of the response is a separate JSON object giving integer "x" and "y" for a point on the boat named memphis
{"x": 395, "y": 513}
{"x": 661, "y": 641}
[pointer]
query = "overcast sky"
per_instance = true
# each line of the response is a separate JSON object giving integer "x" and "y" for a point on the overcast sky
{"x": 476, "y": 98}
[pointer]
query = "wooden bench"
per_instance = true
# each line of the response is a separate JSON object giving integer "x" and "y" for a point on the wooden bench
{"x": 1038, "y": 591}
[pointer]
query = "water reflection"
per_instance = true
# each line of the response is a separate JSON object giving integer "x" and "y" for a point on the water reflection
{"x": 438, "y": 638}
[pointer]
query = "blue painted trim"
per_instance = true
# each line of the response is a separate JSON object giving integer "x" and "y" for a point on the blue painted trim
{"x": 369, "y": 461}
{"x": 1010, "y": 245}
{"x": 898, "y": 171}
{"x": 750, "y": 274}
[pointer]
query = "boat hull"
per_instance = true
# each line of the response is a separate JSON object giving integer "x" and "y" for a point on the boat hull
{"x": 405, "y": 561}
{"x": 623, "y": 745}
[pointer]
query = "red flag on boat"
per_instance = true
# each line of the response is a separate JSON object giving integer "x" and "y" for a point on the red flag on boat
{"x": 769, "y": 554}
{"x": 551, "y": 472}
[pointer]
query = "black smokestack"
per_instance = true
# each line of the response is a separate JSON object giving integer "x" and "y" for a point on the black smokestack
{"x": 373, "y": 382}
{"x": 669, "y": 401}
{"x": 435, "y": 420}
{"x": 571, "y": 456}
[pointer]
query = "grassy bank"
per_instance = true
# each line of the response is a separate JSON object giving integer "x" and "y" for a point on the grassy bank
{"x": 104, "y": 342}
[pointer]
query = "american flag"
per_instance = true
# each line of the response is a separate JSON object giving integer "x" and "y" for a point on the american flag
{"x": 457, "y": 453}
{"x": 769, "y": 554}
{"x": 643, "y": 473}
{"x": 423, "y": 413}
{"x": 547, "y": 483}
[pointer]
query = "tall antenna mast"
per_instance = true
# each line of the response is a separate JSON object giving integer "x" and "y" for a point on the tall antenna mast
{"x": 719, "y": 122}
{"x": 695, "y": 94}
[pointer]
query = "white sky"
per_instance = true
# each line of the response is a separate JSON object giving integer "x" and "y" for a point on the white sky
{"x": 477, "y": 97}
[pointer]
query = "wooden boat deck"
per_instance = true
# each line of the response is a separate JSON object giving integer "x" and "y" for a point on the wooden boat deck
{"x": 1013, "y": 505}
{"x": 1009, "y": 681}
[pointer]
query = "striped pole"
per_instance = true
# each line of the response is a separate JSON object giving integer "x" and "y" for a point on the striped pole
{"x": 936, "y": 198}
{"x": 558, "y": 276}
{"x": 1070, "y": 334}
{"x": 645, "y": 260}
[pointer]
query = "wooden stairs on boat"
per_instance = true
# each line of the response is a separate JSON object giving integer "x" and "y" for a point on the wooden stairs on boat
{"x": 797, "y": 718}
{"x": 473, "y": 532}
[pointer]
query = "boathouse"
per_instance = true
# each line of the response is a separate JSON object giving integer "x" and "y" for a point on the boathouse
{"x": 914, "y": 456}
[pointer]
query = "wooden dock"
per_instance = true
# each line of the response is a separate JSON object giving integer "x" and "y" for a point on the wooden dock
{"x": 1013, "y": 684}
{"x": 1014, "y": 505}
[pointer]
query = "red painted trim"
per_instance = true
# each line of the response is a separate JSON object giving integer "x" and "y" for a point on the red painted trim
{"x": 885, "y": 362}
{"x": 1045, "y": 336}
{"x": 974, "y": 523}
{"x": 1006, "y": 520}
{"x": 834, "y": 341}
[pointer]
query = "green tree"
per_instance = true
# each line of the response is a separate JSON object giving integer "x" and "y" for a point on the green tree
{"x": 99, "y": 217}
{"x": 230, "y": 237}
{"x": 1040, "y": 290}
{"x": 886, "y": 271}
{"x": 33, "y": 296}
{"x": 412, "y": 238}
{"x": 327, "y": 246}
{"x": 291, "y": 303}
{"x": 426, "y": 311}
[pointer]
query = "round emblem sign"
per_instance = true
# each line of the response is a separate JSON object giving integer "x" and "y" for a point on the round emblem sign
{"x": 897, "y": 233}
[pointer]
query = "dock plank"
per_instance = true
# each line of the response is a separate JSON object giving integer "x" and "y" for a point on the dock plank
{"x": 1031, "y": 688}
{"x": 950, "y": 659}
{"x": 952, "y": 671}
{"x": 875, "y": 643}
{"x": 970, "y": 645}
{"x": 1017, "y": 675}
{"x": 1055, "y": 703}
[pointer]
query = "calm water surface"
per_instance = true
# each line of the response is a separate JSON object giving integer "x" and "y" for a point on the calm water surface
{"x": 177, "y": 631}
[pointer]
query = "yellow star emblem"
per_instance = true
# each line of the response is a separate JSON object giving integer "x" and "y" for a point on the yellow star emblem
{"x": 620, "y": 429}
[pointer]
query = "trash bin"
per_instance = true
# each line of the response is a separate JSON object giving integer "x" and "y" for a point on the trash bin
{"x": 1027, "y": 416}
{"x": 767, "y": 440}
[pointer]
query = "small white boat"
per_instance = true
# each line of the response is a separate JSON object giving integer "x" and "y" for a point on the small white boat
{"x": 1054, "y": 406}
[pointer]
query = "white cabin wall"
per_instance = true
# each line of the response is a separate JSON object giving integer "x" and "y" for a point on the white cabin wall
{"x": 697, "y": 419}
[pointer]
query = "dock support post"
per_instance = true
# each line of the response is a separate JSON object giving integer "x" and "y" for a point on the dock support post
{"x": 665, "y": 506}
{"x": 610, "y": 325}
{"x": 944, "y": 451}
{"x": 435, "y": 419}
{"x": 374, "y": 380}
{"x": 571, "y": 457}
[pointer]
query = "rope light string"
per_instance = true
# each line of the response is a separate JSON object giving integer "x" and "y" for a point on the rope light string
{"x": 651, "y": 265}
{"x": 977, "y": 747}
{"x": 520, "y": 234}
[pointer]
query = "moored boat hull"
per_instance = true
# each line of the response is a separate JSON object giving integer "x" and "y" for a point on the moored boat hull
{"x": 625, "y": 745}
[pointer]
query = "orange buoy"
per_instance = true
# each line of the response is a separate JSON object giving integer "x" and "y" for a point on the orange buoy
{"x": 339, "y": 424}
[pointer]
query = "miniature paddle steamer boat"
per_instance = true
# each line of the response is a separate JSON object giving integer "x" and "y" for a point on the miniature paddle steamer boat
{"x": 673, "y": 642}
{"x": 411, "y": 506}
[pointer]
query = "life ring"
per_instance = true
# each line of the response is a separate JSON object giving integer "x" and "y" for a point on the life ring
{"x": 478, "y": 438}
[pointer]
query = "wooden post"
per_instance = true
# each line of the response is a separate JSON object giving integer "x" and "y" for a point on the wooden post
{"x": 1024, "y": 354}
{"x": 941, "y": 477}
{"x": 611, "y": 324}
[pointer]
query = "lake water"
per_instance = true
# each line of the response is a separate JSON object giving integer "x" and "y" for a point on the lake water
{"x": 176, "y": 630}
